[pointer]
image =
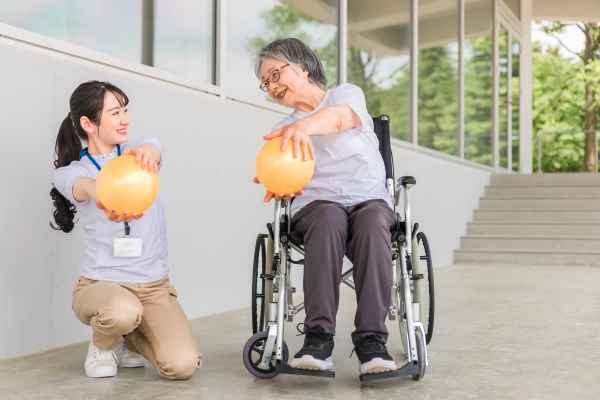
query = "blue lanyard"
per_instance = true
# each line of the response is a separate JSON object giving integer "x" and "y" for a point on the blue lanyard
{"x": 85, "y": 152}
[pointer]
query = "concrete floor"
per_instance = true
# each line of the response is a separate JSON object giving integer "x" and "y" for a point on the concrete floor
{"x": 502, "y": 332}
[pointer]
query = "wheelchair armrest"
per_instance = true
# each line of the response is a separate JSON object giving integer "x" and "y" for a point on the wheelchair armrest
{"x": 407, "y": 181}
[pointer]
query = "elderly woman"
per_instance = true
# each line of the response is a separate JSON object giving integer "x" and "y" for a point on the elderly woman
{"x": 344, "y": 210}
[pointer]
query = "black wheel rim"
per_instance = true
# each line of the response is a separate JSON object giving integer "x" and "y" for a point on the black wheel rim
{"x": 256, "y": 355}
{"x": 253, "y": 353}
{"x": 425, "y": 257}
{"x": 258, "y": 283}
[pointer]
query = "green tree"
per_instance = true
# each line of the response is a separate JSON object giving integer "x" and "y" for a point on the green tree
{"x": 479, "y": 100}
{"x": 438, "y": 111}
{"x": 558, "y": 94}
{"x": 587, "y": 72}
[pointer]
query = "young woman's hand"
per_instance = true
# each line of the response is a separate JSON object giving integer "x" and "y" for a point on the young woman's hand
{"x": 270, "y": 195}
{"x": 147, "y": 156}
{"x": 297, "y": 134}
{"x": 84, "y": 189}
{"x": 117, "y": 217}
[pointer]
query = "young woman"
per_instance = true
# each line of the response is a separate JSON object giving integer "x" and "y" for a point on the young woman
{"x": 124, "y": 292}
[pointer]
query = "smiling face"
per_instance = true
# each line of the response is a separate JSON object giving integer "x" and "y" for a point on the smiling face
{"x": 283, "y": 81}
{"x": 113, "y": 122}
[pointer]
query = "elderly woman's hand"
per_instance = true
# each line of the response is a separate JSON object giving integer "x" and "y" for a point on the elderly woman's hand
{"x": 270, "y": 195}
{"x": 296, "y": 133}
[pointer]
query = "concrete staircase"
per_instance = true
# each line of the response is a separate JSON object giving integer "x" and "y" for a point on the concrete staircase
{"x": 535, "y": 219}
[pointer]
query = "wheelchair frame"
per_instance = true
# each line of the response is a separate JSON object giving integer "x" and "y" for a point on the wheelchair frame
{"x": 277, "y": 305}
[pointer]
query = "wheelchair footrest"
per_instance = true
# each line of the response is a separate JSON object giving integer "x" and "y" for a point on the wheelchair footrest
{"x": 408, "y": 369}
{"x": 284, "y": 368}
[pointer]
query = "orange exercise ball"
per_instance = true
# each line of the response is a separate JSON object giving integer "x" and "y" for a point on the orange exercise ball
{"x": 279, "y": 171}
{"x": 125, "y": 187}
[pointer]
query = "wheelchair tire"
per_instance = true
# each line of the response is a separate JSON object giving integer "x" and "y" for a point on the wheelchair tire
{"x": 428, "y": 301}
{"x": 252, "y": 356}
{"x": 258, "y": 283}
{"x": 421, "y": 361}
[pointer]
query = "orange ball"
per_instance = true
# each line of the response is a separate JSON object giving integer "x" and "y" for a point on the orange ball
{"x": 279, "y": 171}
{"x": 125, "y": 187}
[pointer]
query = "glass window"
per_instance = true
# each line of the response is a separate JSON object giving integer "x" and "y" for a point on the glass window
{"x": 503, "y": 111}
{"x": 438, "y": 76}
{"x": 379, "y": 58}
{"x": 110, "y": 26}
{"x": 183, "y": 38}
{"x": 478, "y": 81}
{"x": 253, "y": 24}
{"x": 516, "y": 105}
{"x": 174, "y": 36}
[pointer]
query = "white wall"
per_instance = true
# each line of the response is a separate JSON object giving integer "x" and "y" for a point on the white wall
{"x": 213, "y": 210}
{"x": 444, "y": 197}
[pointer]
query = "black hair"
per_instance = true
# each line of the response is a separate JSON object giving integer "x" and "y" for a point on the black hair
{"x": 87, "y": 100}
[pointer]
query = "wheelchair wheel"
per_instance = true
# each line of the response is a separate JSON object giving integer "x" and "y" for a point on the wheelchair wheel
{"x": 253, "y": 353}
{"x": 421, "y": 361}
{"x": 258, "y": 283}
{"x": 422, "y": 255}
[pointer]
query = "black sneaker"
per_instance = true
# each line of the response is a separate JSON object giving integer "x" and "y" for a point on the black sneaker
{"x": 373, "y": 355}
{"x": 315, "y": 354}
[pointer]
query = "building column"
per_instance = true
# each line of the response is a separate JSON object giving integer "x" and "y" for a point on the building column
{"x": 526, "y": 101}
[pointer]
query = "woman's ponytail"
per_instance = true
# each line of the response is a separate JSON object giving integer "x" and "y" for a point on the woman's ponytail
{"x": 67, "y": 149}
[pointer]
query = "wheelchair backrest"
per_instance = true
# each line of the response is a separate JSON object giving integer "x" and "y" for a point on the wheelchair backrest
{"x": 382, "y": 130}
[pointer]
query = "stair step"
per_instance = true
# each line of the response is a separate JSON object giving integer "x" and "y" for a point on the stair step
{"x": 539, "y": 243}
{"x": 523, "y": 230}
{"x": 571, "y": 179}
{"x": 536, "y": 217}
{"x": 542, "y": 192}
{"x": 525, "y": 258}
{"x": 539, "y": 204}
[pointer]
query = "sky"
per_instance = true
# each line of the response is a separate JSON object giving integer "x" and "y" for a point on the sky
{"x": 572, "y": 37}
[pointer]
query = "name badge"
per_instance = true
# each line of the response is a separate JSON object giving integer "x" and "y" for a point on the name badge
{"x": 127, "y": 247}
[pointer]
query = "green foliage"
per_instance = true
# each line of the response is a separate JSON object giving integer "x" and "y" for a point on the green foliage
{"x": 560, "y": 98}
{"x": 558, "y": 111}
{"x": 478, "y": 100}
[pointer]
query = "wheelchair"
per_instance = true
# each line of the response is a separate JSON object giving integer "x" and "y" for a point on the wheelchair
{"x": 265, "y": 354}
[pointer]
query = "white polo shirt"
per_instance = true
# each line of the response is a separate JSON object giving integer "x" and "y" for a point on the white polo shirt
{"x": 348, "y": 166}
{"x": 98, "y": 231}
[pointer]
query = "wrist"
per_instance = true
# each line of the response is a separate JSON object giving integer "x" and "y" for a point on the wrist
{"x": 90, "y": 188}
{"x": 306, "y": 127}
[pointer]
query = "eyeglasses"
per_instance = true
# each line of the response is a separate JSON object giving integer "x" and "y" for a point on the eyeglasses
{"x": 273, "y": 78}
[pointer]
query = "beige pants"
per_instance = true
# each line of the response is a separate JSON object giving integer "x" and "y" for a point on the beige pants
{"x": 149, "y": 317}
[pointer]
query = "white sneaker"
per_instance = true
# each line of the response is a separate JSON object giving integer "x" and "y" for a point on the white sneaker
{"x": 100, "y": 363}
{"x": 128, "y": 359}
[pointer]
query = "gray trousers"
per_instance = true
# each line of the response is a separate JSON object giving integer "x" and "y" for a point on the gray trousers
{"x": 362, "y": 233}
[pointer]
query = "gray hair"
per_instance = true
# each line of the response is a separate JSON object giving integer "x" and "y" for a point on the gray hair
{"x": 294, "y": 51}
